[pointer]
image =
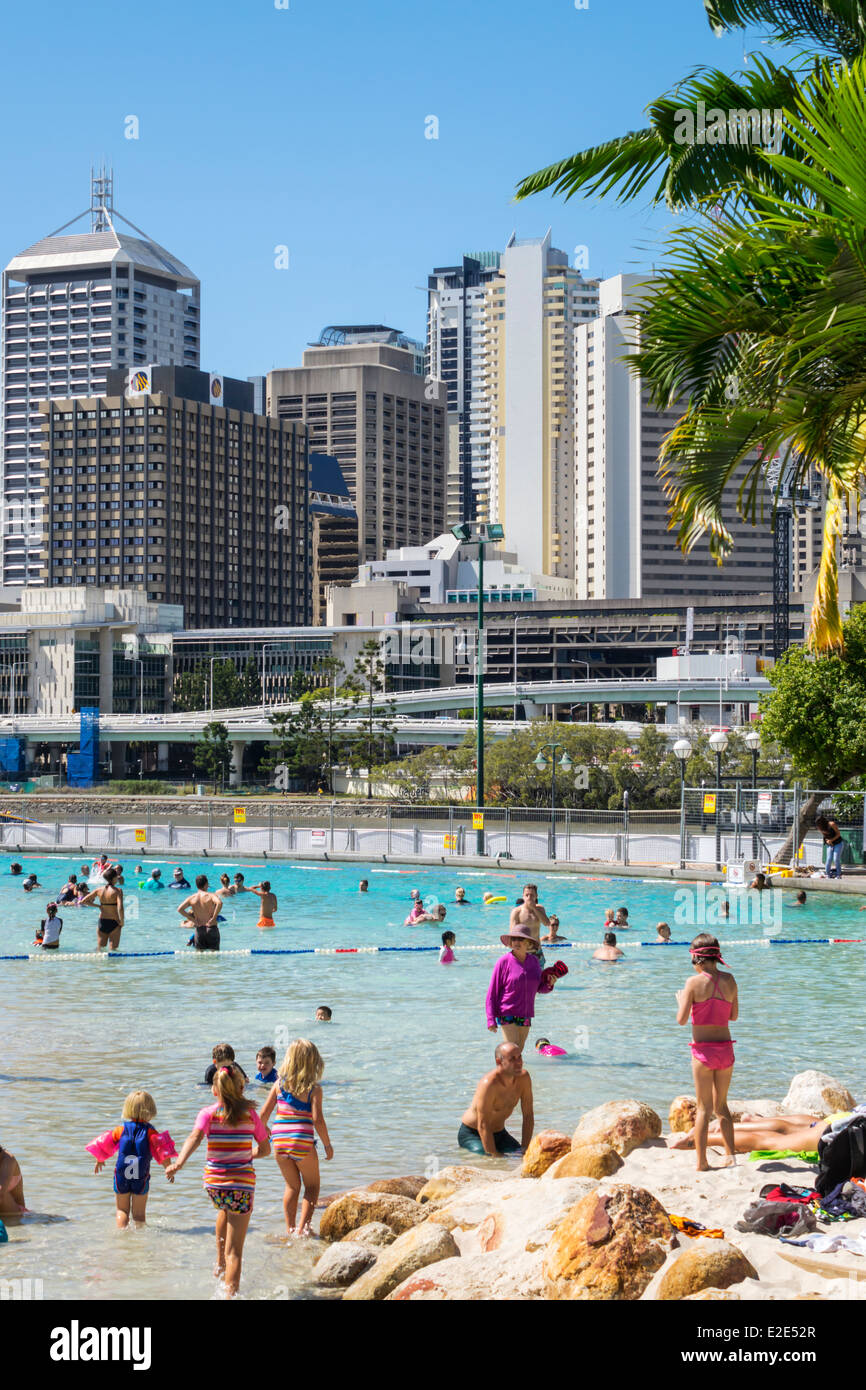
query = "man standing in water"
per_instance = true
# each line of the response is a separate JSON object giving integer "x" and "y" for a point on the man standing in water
{"x": 110, "y": 900}
{"x": 482, "y": 1129}
{"x": 202, "y": 910}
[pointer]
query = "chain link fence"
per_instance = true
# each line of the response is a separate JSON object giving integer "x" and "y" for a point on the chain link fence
{"x": 715, "y": 826}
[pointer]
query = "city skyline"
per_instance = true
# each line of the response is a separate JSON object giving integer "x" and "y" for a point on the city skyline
{"x": 327, "y": 131}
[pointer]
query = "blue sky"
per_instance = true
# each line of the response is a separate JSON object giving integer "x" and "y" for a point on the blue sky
{"x": 305, "y": 127}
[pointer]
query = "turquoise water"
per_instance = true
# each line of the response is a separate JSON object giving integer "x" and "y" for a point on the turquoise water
{"x": 407, "y": 1043}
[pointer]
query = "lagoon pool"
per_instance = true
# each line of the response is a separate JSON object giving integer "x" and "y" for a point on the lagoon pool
{"x": 407, "y": 1043}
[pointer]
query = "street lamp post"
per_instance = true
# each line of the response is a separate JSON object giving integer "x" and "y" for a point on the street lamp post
{"x": 753, "y": 743}
{"x": 517, "y": 619}
{"x": 212, "y": 660}
{"x": 541, "y": 764}
{"x": 718, "y": 743}
{"x": 683, "y": 751}
{"x": 469, "y": 533}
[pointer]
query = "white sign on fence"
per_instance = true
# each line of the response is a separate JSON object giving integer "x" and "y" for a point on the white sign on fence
{"x": 735, "y": 871}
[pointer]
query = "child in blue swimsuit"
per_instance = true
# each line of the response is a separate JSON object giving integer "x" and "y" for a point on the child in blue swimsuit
{"x": 136, "y": 1143}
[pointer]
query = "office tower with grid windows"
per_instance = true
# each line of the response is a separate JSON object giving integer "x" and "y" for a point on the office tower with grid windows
{"x": 624, "y": 547}
{"x": 178, "y": 488}
{"x": 366, "y": 403}
{"x": 523, "y": 401}
{"x": 455, "y": 301}
{"x": 74, "y": 306}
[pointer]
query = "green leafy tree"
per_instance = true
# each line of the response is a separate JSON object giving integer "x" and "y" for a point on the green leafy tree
{"x": 374, "y": 742}
{"x": 758, "y": 321}
{"x": 190, "y": 691}
{"x": 299, "y": 747}
{"x": 213, "y": 755}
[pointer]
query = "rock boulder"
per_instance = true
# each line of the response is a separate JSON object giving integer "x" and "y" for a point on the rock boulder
{"x": 816, "y": 1093}
{"x": 449, "y": 1179}
{"x": 414, "y": 1250}
{"x": 709, "y": 1264}
{"x": 681, "y": 1115}
{"x": 342, "y": 1263}
{"x": 587, "y": 1161}
{"x": 374, "y": 1234}
{"x": 358, "y": 1208}
{"x": 543, "y": 1151}
{"x": 623, "y": 1124}
{"x": 399, "y": 1187}
{"x": 608, "y": 1246}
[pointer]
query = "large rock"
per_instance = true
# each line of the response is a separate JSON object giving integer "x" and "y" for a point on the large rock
{"x": 449, "y": 1179}
{"x": 399, "y": 1187}
{"x": 716, "y": 1296}
{"x": 608, "y": 1246}
{"x": 816, "y": 1093}
{"x": 499, "y": 1277}
{"x": 342, "y": 1263}
{"x": 543, "y": 1151}
{"x": 414, "y": 1250}
{"x": 587, "y": 1161}
{"x": 374, "y": 1234}
{"x": 357, "y": 1208}
{"x": 623, "y": 1124}
{"x": 515, "y": 1216}
{"x": 681, "y": 1115}
{"x": 760, "y": 1107}
{"x": 710, "y": 1264}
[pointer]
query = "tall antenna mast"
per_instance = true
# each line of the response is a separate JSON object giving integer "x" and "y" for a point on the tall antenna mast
{"x": 101, "y": 199}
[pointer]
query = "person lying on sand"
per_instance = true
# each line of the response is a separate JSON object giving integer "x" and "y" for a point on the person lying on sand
{"x": 799, "y": 1132}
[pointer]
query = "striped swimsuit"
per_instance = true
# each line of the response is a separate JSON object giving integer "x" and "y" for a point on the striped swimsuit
{"x": 229, "y": 1167}
{"x": 292, "y": 1134}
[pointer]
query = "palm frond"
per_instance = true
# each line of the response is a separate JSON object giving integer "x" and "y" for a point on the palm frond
{"x": 834, "y": 26}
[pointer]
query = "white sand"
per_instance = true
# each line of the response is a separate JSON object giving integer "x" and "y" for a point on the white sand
{"x": 719, "y": 1198}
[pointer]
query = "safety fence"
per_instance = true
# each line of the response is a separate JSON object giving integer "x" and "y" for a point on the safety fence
{"x": 713, "y": 826}
{"x": 763, "y": 826}
{"x": 192, "y": 954}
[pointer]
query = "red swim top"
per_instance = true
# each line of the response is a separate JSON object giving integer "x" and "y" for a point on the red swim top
{"x": 713, "y": 1011}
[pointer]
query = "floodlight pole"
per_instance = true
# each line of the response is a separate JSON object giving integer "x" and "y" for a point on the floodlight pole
{"x": 479, "y": 715}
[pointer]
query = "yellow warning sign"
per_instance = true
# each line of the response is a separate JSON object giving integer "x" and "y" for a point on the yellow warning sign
{"x": 709, "y": 803}
{"x": 477, "y": 820}
{"x": 449, "y": 842}
{"x": 140, "y": 837}
{"x": 240, "y": 815}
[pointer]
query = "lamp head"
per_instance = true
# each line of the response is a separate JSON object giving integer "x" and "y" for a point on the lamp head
{"x": 718, "y": 741}
{"x": 683, "y": 749}
{"x": 565, "y": 762}
{"x": 541, "y": 762}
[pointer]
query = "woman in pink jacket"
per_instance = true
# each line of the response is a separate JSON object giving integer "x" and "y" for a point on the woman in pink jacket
{"x": 517, "y": 978}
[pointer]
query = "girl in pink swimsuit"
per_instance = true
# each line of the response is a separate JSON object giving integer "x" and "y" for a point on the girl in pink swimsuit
{"x": 709, "y": 1000}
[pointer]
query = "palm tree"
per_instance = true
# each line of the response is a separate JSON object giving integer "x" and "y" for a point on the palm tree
{"x": 691, "y": 174}
{"x": 758, "y": 321}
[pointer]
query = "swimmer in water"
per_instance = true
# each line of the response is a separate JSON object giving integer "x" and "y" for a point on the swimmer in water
{"x": 12, "y": 1204}
{"x": 154, "y": 883}
{"x": 297, "y": 1096}
{"x": 30, "y": 883}
{"x": 202, "y": 910}
{"x": 70, "y": 890}
{"x": 226, "y": 888}
{"x": 136, "y": 1143}
{"x": 529, "y": 913}
{"x": 446, "y": 955}
{"x": 460, "y": 898}
{"x": 109, "y": 899}
{"x": 609, "y": 950}
{"x": 178, "y": 879}
{"x": 363, "y": 886}
{"x": 546, "y": 1048}
{"x": 323, "y": 1014}
{"x": 663, "y": 934}
{"x": 418, "y": 913}
{"x": 621, "y": 922}
{"x": 268, "y": 903}
{"x": 15, "y": 869}
{"x": 48, "y": 935}
{"x": 553, "y": 936}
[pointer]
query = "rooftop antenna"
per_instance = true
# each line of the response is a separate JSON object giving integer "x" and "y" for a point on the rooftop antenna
{"x": 101, "y": 199}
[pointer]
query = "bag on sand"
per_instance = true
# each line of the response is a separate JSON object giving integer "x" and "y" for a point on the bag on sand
{"x": 841, "y": 1156}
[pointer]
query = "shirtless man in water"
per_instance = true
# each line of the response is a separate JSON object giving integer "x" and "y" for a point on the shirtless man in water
{"x": 202, "y": 909}
{"x": 482, "y": 1129}
{"x": 797, "y": 1132}
{"x": 268, "y": 901}
{"x": 530, "y": 914}
{"x": 12, "y": 1204}
{"x": 110, "y": 900}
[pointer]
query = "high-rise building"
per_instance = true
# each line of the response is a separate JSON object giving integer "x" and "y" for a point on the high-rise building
{"x": 523, "y": 406}
{"x": 624, "y": 547}
{"x": 171, "y": 484}
{"x": 334, "y": 546}
{"x": 365, "y": 403}
{"x": 73, "y": 307}
{"x": 455, "y": 300}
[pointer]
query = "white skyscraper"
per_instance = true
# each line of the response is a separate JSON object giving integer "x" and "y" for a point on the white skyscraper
{"x": 73, "y": 307}
{"x": 624, "y": 547}
{"x": 523, "y": 404}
